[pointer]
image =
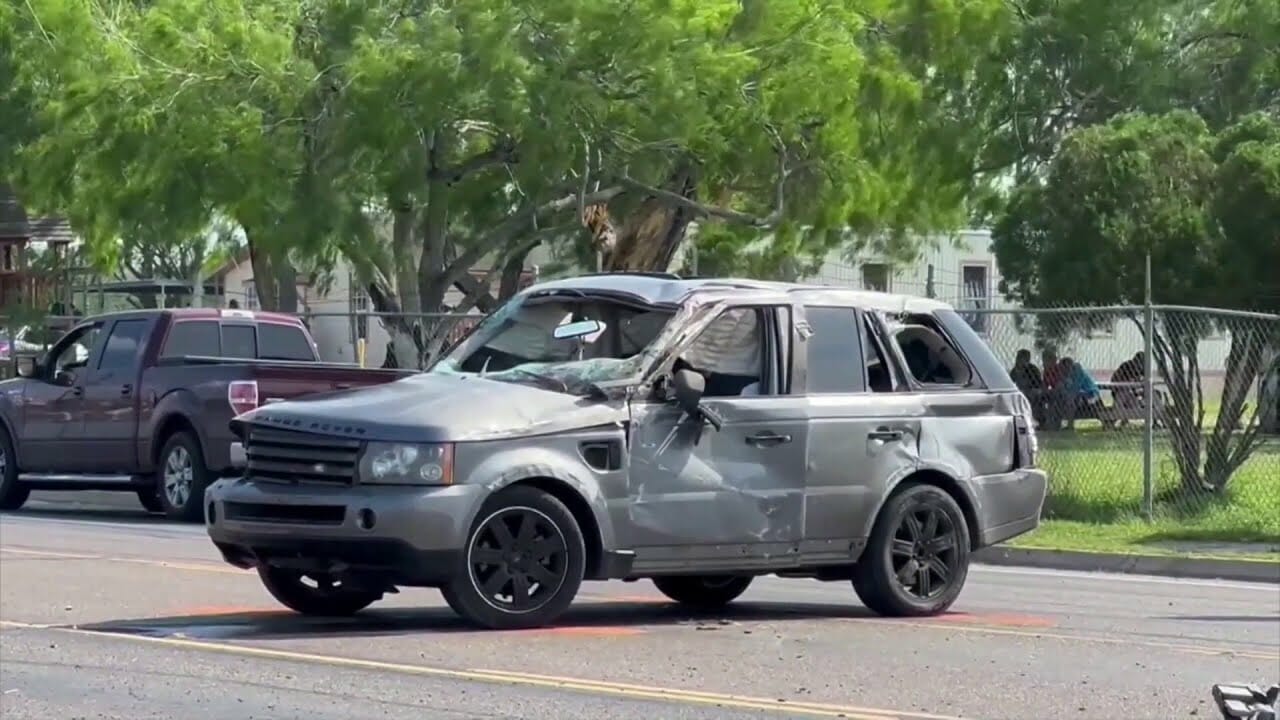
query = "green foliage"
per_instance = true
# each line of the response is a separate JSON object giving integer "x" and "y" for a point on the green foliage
{"x": 311, "y": 123}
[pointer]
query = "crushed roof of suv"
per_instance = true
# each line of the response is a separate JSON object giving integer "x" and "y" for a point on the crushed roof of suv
{"x": 667, "y": 289}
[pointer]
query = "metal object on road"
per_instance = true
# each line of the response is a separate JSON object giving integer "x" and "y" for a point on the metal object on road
{"x": 1247, "y": 702}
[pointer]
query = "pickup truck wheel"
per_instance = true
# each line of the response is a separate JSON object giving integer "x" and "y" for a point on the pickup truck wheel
{"x": 325, "y": 595}
{"x": 150, "y": 500}
{"x": 703, "y": 592}
{"x": 181, "y": 478}
{"x": 918, "y": 557}
{"x": 12, "y": 493}
{"x": 523, "y": 562}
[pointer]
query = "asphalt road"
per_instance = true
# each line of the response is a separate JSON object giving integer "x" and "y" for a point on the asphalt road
{"x": 108, "y": 613}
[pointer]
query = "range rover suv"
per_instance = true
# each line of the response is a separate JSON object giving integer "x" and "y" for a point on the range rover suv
{"x": 698, "y": 433}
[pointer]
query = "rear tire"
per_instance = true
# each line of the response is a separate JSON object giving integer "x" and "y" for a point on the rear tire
{"x": 181, "y": 478}
{"x": 918, "y": 557}
{"x": 703, "y": 592}
{"x": 13, "y": 494}
{"x": 522, "y": 564}
{"x": 150, "y": 500}
{"x": 328, "y": 598}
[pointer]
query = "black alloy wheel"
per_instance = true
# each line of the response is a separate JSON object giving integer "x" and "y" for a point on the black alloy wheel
{"x": 917, "y": 559}
{"x": 319, "y": 594}
{"x": 924, "y": 552}
{"x": 703, "y": 592}
{"x": 523, "y": 563}
{"x": 12, "y": 493}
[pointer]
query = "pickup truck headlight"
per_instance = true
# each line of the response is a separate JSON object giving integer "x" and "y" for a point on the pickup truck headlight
{"x": 406, "y": 464}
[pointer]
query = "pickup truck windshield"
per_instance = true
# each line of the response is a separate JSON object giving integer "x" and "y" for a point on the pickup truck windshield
{"x": 517, "y": 343}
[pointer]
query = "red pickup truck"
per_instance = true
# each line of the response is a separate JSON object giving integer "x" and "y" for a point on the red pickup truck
{"x": 141, "y": 401}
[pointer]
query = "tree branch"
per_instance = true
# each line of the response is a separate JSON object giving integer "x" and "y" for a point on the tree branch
{"x": 504, "y": 153}
{"x": 718, "y": 213}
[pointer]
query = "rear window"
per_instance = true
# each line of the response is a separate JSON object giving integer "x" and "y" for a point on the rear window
{"x": 193, "y": 337}
{"x": 239, "y": 341}
{"x": 283, "y": 342}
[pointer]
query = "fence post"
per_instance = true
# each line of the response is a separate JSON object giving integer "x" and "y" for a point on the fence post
{"x": 1148, "y": 395}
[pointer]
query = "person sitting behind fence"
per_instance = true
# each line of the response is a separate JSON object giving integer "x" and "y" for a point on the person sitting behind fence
{"x": 1133, "y": 370}
{"x": 1026, "y": 376}
{"x": 1084, "y": 399}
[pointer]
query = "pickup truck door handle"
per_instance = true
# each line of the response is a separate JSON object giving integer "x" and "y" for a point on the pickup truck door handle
{"x": 126, "y": 390}
{"x": 78, "y": 391}
{"x": 342, "y": 386}
{"x": 885, "y": 434}
{"x": 768, "y": 439}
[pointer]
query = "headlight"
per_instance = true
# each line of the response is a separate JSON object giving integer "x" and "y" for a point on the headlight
{"x": 406, "y": 464}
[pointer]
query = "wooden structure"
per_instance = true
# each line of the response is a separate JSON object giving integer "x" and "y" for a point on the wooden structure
{"x": 20, "y": 284}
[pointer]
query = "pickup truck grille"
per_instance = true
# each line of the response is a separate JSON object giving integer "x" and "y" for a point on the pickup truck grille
{"x": 301, "y": 457}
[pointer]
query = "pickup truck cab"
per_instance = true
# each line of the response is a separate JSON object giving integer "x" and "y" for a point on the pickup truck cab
{"x": 623, "y": 426}
{"x": 141, "y": 401}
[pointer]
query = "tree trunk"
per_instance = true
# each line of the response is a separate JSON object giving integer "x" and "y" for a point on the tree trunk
{"x": 653, "y": 232}
{"x": 264, "y": 279}
{"x": 1176, "y": 357}
{"x": 286, "y": 281}
{"x": 1243, "y": 366}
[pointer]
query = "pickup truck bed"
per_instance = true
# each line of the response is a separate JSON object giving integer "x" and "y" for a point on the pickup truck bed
{"x": 142, "y": 401}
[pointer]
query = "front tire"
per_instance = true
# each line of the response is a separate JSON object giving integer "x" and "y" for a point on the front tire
{"x": 523, "y": 562}
{"x": 329, "y": 597}
{"x": 181, "y": 478}
{"x": 918, "y": 557}
{"x": 703, "y": 592}
{"x": 13, "y": 494}
{"x": 150, "y": 500}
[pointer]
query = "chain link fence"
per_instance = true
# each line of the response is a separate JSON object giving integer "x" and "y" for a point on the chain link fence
{"x": 1205, "y": 446}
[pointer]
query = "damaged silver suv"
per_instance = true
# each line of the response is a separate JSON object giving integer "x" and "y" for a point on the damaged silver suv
{"x": 621, "y": 426}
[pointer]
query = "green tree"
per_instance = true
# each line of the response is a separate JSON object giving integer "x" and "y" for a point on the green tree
{"x": 418, "y": 139}
{"x": 1203, "y": 206}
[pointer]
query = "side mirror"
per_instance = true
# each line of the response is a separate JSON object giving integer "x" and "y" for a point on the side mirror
{"x": 689, "y": 387}
{"x": 26, "y": 366}
{"x": 64, "y": 378}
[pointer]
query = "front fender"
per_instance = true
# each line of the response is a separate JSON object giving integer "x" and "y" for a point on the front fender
{"x": 505, "y": 467}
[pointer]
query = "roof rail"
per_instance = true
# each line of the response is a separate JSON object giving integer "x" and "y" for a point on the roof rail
{"x": 637, "y": 273}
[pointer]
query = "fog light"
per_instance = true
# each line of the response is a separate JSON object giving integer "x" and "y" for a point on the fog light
{"x": 366, "y": 519}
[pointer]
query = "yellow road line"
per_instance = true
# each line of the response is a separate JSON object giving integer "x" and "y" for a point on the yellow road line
{"x": 1038, "y": 635}
{"x": 596, "y": 687}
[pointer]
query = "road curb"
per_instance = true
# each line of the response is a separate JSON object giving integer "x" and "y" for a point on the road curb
{"x": 1167, "y": 566}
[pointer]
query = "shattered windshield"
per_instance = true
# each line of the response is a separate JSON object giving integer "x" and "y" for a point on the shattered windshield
{"x": 525, "y": 341}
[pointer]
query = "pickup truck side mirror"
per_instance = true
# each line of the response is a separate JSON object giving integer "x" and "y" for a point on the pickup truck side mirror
{"x": 27, "y": 366}
{"x": 689, "y": 386}
{"x": 65, "y": 378}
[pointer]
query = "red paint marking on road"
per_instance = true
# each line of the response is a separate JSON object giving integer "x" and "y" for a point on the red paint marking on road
{"x": 228, "y": 611}
{"x": 993, "y": 619}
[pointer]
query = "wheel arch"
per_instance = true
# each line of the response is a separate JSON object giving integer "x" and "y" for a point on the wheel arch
{"x": 949, "y": 485}
{"x": 6, "y": 427}
{"x": 171, "y": 425}
{"x": 582, "y": 512}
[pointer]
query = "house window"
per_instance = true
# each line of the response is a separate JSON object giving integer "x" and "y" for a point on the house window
{"x": 976, "y": 295}
{"x": 875, "y": 276}
{"x": 250, "y": 291}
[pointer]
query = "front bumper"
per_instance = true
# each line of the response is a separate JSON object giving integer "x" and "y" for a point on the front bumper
{"x": 1009, "y": 504}
{"x": 407, "y": 535}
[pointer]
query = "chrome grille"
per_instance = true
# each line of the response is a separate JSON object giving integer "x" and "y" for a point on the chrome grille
{"x": 289, "y": 456}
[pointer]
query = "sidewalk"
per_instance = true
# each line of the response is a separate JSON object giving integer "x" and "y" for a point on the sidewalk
{"x": 1203, "y": 565}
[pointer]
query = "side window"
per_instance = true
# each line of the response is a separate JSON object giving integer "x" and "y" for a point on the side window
{"x": 123, "y": 344}
{"x": 74, "y": 350}
{"x": 930, "y": 357}
{"x": 239, "y": 342}
{"x": 729, "y": 353}
{"x": 284, "y": 342}
{"x": 834, "y": 351}
{"x": 193, "y": 337}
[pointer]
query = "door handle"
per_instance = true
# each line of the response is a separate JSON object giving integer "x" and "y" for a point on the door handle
{"x": 126, "y": 390}
{"x": 768, "y": 439}
{"x": 885, "y": 434}
{"x": 78, "y": 391}
{"x": 342, "y": 386}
